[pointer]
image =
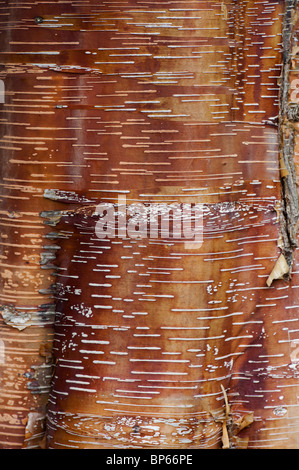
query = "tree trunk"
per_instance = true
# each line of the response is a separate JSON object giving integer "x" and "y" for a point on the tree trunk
{"x": 149, "y": 340}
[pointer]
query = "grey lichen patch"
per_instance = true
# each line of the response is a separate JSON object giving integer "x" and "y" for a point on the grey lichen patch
{"x": 14, "y": 317}
{"x": 52, "y": 217}
{"x": 55, "y": 235}
{"x": 292, "y": 112}
{"x": 46, "y": 257}
{"x": 65, "y": 196}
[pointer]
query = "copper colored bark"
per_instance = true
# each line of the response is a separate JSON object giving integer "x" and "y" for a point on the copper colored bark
{"x": 157, "y": 343}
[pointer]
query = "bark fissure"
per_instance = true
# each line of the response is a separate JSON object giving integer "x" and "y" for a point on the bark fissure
{"x": 288, "y": 114}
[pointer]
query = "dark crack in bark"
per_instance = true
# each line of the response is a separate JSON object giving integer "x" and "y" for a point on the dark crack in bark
{"x": 287, "y": 132}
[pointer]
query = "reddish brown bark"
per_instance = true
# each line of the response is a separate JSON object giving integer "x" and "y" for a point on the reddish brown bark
{"x": 156, "y": 344}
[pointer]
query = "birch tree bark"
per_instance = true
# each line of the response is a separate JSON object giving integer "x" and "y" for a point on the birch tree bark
{"x": 153, "y": 342}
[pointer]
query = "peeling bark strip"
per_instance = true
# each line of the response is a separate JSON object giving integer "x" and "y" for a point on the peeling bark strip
{"x": 156, "y": 344}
